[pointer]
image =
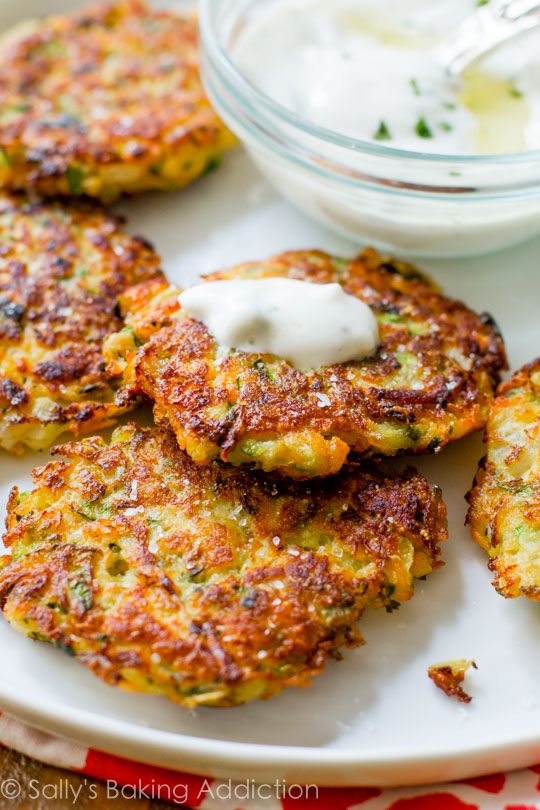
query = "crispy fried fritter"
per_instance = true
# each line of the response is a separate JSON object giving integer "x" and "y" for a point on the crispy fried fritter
{"x": 209, "y": 585}
{"x": 431, "y": 381}
{"x": 61, "y": 270}
{"x": 104, "y": 101}
{"x": 504, "y": 513}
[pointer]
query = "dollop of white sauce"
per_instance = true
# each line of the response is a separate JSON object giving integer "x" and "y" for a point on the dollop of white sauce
{"x": 369, "y": 70}
{"x": 309, "y": 325}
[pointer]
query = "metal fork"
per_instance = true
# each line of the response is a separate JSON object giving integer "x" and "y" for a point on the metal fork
{"x": 490, "y": 26}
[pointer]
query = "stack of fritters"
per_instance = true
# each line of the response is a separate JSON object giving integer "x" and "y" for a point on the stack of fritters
{"x": 430, "y": 382}
{"x": 215, "y": 585}
{"x": 157, "y": 559}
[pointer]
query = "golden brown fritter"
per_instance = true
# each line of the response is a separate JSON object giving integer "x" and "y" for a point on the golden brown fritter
{"x": 504, "y": 513}
{"x": 208, "y": 585}
{"x": 430, "y": 382}
{"x": 104, "y": 101}
{"x": 61, "y": 270}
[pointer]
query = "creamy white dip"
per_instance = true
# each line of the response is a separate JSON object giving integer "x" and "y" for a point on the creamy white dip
{"x": 369, "y": 70}
{"x": 309, "y": 325}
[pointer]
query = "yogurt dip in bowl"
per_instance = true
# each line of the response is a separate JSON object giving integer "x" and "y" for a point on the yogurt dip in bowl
{"x": 344, "y": 106}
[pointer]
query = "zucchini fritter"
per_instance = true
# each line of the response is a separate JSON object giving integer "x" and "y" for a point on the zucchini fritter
{"x": 61, "y": 270}
{"x": 104, "y": 101}
{"x": 504, "y": 513}
{"x": 208, "y": 585}
{"x": 430, "y": 382}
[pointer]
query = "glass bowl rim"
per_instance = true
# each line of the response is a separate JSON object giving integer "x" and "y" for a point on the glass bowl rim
{"x": 211, "y": 42}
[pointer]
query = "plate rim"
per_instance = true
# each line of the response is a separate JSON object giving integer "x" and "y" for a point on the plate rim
{"x": 235, "y": 760}
{"x": 220, "y": 758}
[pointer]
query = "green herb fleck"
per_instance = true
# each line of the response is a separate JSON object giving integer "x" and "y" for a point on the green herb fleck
{"x": 136, "y": 339}
{"x": 118, "y": 567}
{"x": 56, "y": 606}
{"x": 445, "y": 126}
{"x": 389, "y": 317}
{"x": 449, "y": 105}
{"x": 383, "y": 133}
{"x": 259, "y": 366}
{"x": 36, "y": 636}
{"x": 4, "y": 158}
{"x": 82, "y": 592}
{"x": 211, "y": 165}
{"x": 85, "y": 510}
{"x": 515, "y": 93}
{"x": 482, "y": 2}
{"x": 413, "y": 433}
{"x": 415, "y": 87}
{"x": 422, "y": 129}
{"x": 75, "y": 179}
{"x": 65, "y": 647}
{"x": 263, "y": 369}
{"x": 195, "y": 690}
{"x": 454, "y": 174}
{"x": 341, "y": 265}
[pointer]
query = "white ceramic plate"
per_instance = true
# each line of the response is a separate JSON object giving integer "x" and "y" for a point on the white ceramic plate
{"x": 373, "y": 718}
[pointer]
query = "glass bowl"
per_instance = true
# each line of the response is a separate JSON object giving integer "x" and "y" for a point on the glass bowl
{"x": 410, "y": 202}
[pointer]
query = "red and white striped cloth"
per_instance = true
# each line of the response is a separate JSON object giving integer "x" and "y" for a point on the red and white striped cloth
{"x": 519, "y": 790}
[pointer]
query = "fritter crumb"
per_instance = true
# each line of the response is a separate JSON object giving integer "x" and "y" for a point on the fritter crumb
{"x": 449, "y": 676}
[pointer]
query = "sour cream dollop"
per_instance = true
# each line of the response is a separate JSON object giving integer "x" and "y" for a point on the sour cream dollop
{"x": 308, "y": 325}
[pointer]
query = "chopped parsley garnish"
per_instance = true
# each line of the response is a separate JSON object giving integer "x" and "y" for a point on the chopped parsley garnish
{"x": 415, "y": 87}
{"x": 482, "y": 2}
{"x": 449, "y": 105}
{"x": 383, "y": 133}
{"x": 445, "y": 126}
{"x": 515, "y": 92}
{"x": 422, "y": 129}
